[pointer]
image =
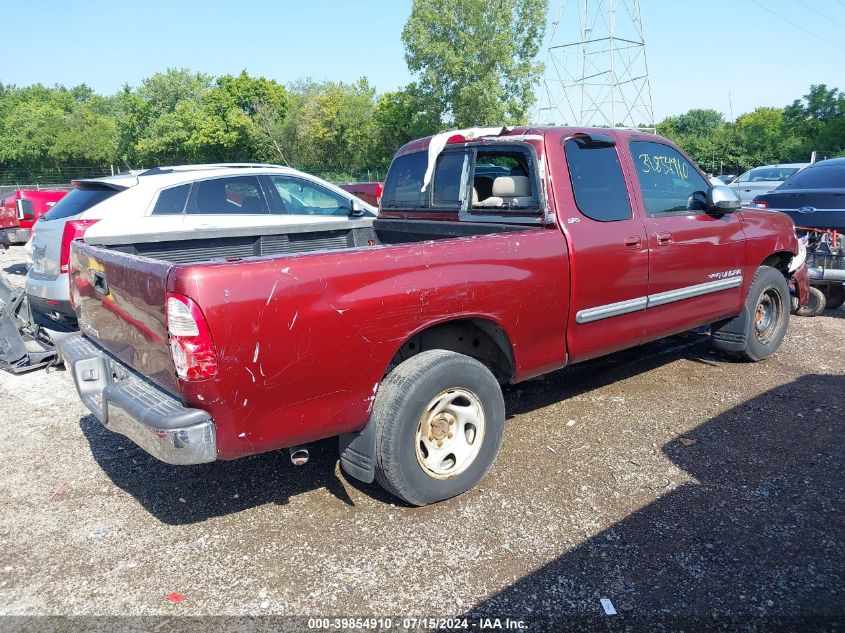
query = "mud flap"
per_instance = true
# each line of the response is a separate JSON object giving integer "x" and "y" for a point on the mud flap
{"x": 731, "y": 335}
{"x": 24, "y": 346}
{"x": 357, "y": 453}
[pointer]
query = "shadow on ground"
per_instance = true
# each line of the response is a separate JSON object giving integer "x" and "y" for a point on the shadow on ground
{"x": 222, "y": 488}
{"x": 16, "y": 269}
{"x": 757, "y": 538}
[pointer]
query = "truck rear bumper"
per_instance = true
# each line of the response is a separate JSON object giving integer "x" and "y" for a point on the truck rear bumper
{"x": 131, "y": 405}
{"x": 14, "y": 236}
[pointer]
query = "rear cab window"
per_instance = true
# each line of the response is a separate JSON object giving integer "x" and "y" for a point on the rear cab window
{"x": 79, "y": 200}
{"x": 478, "y": 180}
{"x": 403, "y": 186}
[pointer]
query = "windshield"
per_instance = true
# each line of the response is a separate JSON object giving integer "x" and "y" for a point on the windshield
{"x": 302, "y": 197}
{"x": 761, "y": 174}
{"x": 818, "y": 177}
{"x": 79, "y": 200}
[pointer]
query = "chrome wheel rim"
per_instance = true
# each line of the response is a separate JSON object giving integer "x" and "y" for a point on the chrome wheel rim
{"x": 768, "y": 316}
{"x": 450, "y": 433}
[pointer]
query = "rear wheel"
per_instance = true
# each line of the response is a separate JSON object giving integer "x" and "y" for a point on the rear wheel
{"x": 439, "y": 421}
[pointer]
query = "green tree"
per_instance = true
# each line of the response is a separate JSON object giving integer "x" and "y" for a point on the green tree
{"x": 476, "y": 59}
{"x": 164, "y": 91}
{"x": 330, "y": 127}
{"x": 695, "y": 122}
{"x": 242, "y": 116}
{"x": 402, "y": 116}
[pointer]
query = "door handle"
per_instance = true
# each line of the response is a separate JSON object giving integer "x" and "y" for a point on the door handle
{"x": 633, "y": 242}
{"x": 663, "y": 239}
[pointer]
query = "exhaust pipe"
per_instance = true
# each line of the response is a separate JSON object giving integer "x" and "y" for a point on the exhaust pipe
{"x": 828, "y": 274}
{"x": 299, "y": 455}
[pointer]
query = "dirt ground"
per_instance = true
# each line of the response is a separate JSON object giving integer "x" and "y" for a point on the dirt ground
{"x": 670, "y": 479}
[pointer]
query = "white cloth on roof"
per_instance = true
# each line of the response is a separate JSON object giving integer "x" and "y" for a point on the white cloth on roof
{"x": 438, "y": 142}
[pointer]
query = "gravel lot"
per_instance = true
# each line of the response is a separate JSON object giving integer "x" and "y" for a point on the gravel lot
{"x": 670, "y": 479}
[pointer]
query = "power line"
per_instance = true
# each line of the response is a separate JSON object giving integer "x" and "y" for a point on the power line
{"x": 797, "y": 26}
{"x": 817, "y": 12}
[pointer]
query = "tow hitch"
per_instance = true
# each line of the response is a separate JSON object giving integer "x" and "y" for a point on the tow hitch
{"x": 24, "y": 345}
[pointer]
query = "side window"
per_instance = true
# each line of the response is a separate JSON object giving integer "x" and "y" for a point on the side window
{"x": 402, "y": 188}
{"x": 300, "y": 197}
{"x": 26, "y": 210}
{"x": 172, "y": 201}
{"x": 670, "y": 184}
{"x": 449, "y": 179}
{"x": 744, "y": 177}
{"x": 238, "y": 195}
{"x": 597, "y": 181}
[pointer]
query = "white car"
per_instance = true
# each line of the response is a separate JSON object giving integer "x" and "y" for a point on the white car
{"x": 166, "y": 200}
{"x": 763, "y": 180}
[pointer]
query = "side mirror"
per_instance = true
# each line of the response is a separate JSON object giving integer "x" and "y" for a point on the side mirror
{"x": 721, "y": 199}
{"x": 356, "y": 208}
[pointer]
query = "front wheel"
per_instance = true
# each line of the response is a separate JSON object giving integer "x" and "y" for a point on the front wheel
{"x": 439, "y": 421}
{"x": 758, "y": 332}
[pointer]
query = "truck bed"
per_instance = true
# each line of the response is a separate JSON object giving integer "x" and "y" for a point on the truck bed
{"x": 304, "y": 338}
{"x": 215, "y": 244}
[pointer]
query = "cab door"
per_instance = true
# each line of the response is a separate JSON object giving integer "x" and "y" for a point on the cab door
{"x": 608, "y": 247}
{"x": 696, "y": 257}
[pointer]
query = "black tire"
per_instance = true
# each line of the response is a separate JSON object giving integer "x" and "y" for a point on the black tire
{"x": 815, "y": 305}
{"x": 398, "y": 414}
{"x": 767, "y": 306}
{"x": 835, "y": 296}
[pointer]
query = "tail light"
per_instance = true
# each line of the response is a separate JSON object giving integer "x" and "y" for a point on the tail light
{"x": 759, "y": 204}
{"x": 379, "y": 190}
{"x": 74, "y": 230}
{"x": 191, "y": 346}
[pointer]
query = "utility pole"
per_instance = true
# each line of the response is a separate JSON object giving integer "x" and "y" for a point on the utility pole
{"x": 596, "y": 70}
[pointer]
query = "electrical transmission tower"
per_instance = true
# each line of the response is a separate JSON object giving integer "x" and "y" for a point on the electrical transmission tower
{"x": 596, "y": 72}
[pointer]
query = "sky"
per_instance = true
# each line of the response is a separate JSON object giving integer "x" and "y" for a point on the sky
{"x": 730, "y": 55}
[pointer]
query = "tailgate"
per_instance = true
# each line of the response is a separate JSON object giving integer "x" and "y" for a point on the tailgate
{"x": 120, "y": 302}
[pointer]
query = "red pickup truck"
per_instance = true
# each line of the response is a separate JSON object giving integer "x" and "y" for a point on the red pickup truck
{"x": 369, "y": 192}
{"x": 27, "y": 205}
{"x": 9, "y": 226}
{"x": 493, "y": 260}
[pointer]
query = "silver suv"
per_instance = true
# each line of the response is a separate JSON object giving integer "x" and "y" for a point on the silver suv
{"x": 173, "y": 199}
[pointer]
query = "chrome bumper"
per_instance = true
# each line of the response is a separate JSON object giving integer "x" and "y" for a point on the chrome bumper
{"x": 131, "y": 405}
{"x": 14, "y": 236}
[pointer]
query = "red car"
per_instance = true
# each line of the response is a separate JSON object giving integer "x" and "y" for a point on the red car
{"x": 27, "y": 205}
{"x": 369, "y": 192}
{"x": 396, "y": 333}
{"x": 9, "y": 226}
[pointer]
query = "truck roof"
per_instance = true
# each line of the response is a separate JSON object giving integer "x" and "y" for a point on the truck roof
{"x": 524, "y": 133}
{"x": 36, "y": 194}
